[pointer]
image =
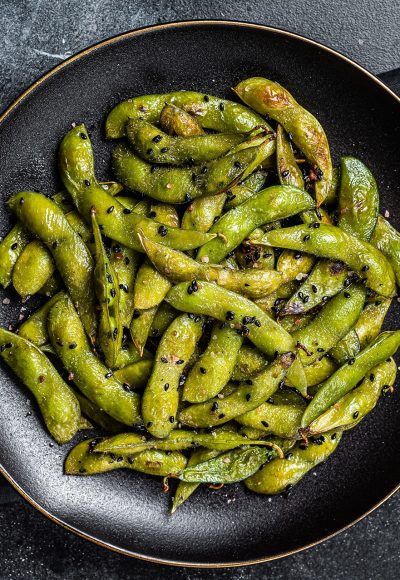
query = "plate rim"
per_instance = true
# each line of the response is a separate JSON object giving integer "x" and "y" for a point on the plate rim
{"x": 3, "y": 116}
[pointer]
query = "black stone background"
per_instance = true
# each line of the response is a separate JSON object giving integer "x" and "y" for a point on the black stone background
{"x": 36, "y": 35}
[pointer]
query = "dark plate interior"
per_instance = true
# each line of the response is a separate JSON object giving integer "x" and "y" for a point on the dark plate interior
{"x": 128, "y": 511}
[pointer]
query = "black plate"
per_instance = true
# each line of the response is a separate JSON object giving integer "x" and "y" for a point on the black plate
{"x": 127, "y": 511}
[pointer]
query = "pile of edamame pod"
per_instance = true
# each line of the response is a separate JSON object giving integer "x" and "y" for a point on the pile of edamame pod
{"x": 217, "y": 309}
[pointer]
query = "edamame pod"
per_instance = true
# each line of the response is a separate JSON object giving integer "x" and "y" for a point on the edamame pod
{"x": 58, "y": 404}
{"x": 281, "y": 474}
{"x": 334, "y": 321}
{"x": 46, "y": 220}
{"x": 280, "y": 416}
{"x": 245, "y": 189}
{"x": 182, "y": 184}
{"x": 82, "y": 461}
{"x": 34, "y": 328}
{"x": 331, "y": 242}
{"x": 176, "y": 121}
{"x": 160, "y": 397}
{"x": 107, "y": 292}
{"x": 347, "y": 376}
{"x": 357, "y": 403}
{"x": 248, "y": 396}
{"x": 162, "y": 319}
{"x": 179, "y": 439}
{"x": 249, "y": 362}
{"x": 121, "y": 224}
{"x": 140, "y": 327}
{"x": 99, "y": 417}
{"x": 289, "y": 173}
{"x": 325, "y": 280}
{"x": 358, "y": 199}
{"x": 211, "y": 112}
{"x": 125, "y": 262}
{"x": 271, "y": 204}
{"x": 241, "y": 313}
{"x": 213, "y": 369}
{"x": 269, "y": 98}
{"x": 179, "y": 267}
{"x": 203, "y": 212}
{"x": 230, "y": 467}
{"x": 185, "y": 489}
{"x": 11, "y": 247}
{"x": 32, "y": 269}
{"x": 91, "y": 376}
{"x": 151, "y": 286}
{"x": 135, "y": 375}
{"x": 155, "y": 146}
{"x": 387, "y": 240}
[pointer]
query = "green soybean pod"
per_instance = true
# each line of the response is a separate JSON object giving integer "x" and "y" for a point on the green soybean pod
{"x": 53, "y": 285}
{"x": 91, "y": 376}
{"x": 348, "y": 375}
{"x": 129, "y": 355}
{"x": 11, "y": 247}
{"x": 185, "y": 489}
{"x": 354, "y": 406}
{"x": 99, "y": 417}
{"x": 203, "y": 212}
{"x": 58, "y": 404}
{"x": 125, "y": 263}
{"x": 32, "y": 269}
{"x": 107, "y": 292}
{"x": 271, "y": 204}
{"x": 162, "y": 319}
{"x": 280, "y": 416}
{"x": 120, "y": 223}
{"x": 182, "y": 184}
{"x": 269, "y": 98}
{"x": 281, "y": 474}
{"x": 245, "y": 189}
{"x": 47, "y": 221}
{"x": 249, "y": 361}
{"x": 264, "y": 333}
{"x": 244, "y": 398}
{"x": 326, "y": 279}
{"x": 141, "y": 323}
{"x": 136, "y": 374}
{"x": 387, "y": 240}
{"x": 178, "y": 267}
{"x": 155, "y": 146}
{"x": 213, "y": 369}
{"x": 176, "y": 121}
{"x": 230, "y": 467}
{"x": 160, "y": 397}
{"x": 34, "y": 328}
{"x": 82, "y": 461}
{"x": 211, "y": 112}
{"x": 331, "y": 324}
{"x": 331, "y": 242}
{"x": 358, "y": 199}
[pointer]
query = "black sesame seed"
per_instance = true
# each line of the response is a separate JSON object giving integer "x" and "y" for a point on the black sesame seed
{"x": 221, "y": 107}
{"x": 237, "y": 164}
{"x": 190, "y": 290}
{"x": 124, "y": 287}
{"x": 21, "y": 201}
{"x": 230, "y": 315}
{"x": 297, "y": 256}
{"x": 164, "y": 149}
{"x": 115, "y": 333}
{"x": 248, "y": 397}
{"x": 257, "y": 323}
{"x": 149, "y": 424}
{"x": 352, "y": 361}
{"x": 171, "y": 419}
{"x": 126, "y": 210}
{"x": 135, "y": 314}
{"x": 110, "y": 209}
{"x": 347, "y": 282}
{"x": 203, "y": 370}
{"x": 314, "y": 288}
{"x": 355, "y": 415}
{"x": 303, "y": 446}
{"x": 112, "y": 292}
{"x": 54, "y": 244}
{"x": 101, "y": 227}
{"x": 365, "y": 268}
{"x": 306, "y": 299}
{"x": 108, "y": 375}
{"x": 315, "y": 225}
{"x": 194, "y": 286}
{"x": 248, "y": 382}
{"x": 371, "y": 377}
{"x": 306, "y": 238}
{"x": 152, "y": 214}
{"x": 221, "y": 415}
{"x": 164, "y": 359}
{"x": 214, "y": 407}
{"x": 126, "y": 387}
{"x": 320, "y": 349}
{"x": 86, "y": 182}
{"x": 206, "y": 98}
{"x": 333, "y": 436}
{"x": 157, "y": 139}
{"x": 162, "y": 230}
{"x": 204, "y": 169}
{"x": 266, "y": 425}
{"x": 14, "y": 246}
{"x": 73, "y": 345}
{"x": 270, "y": 401}
{"x": 188, "y": 197}
{"x": 180, "y": 361}
{"x": 285, "y": 173}
{"x": 166, "y": 386}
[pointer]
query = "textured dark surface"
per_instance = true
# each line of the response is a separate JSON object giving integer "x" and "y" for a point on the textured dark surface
{"x": 39, "y": 549}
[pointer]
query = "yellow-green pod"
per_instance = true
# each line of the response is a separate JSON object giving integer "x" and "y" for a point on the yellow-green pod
{"x": 32, "y": 269}
{"x": 176, "y": 121}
